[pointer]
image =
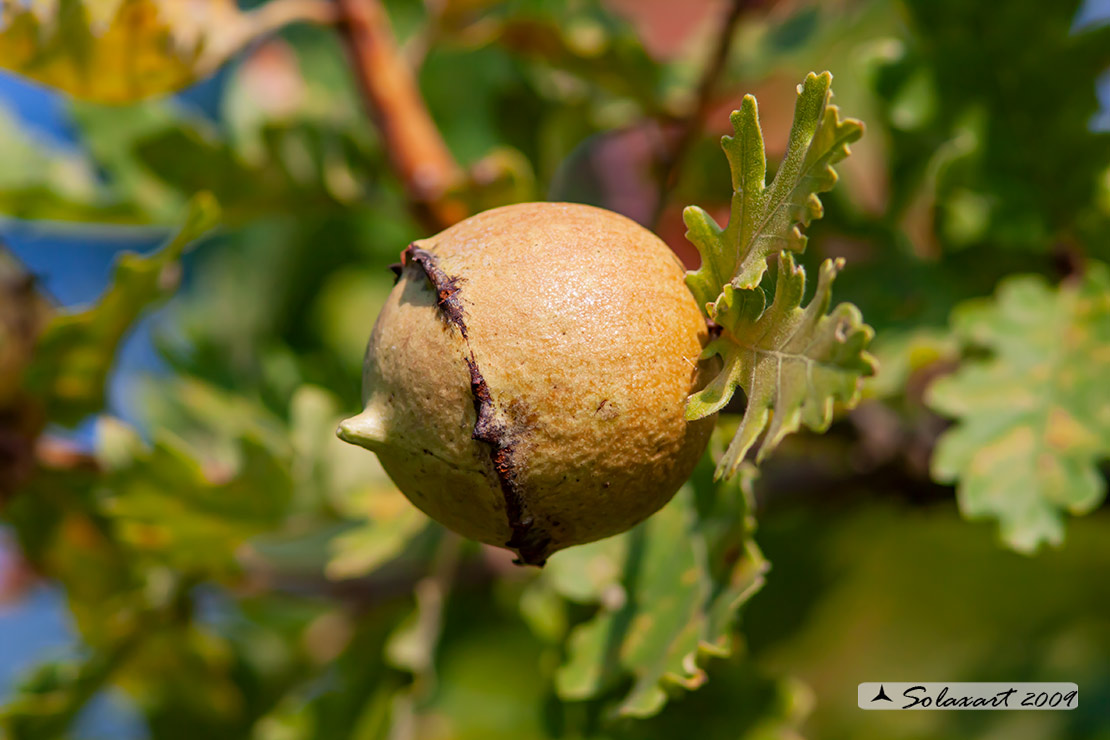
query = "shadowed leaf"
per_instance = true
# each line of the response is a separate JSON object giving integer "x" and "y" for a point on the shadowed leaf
{"x": 44, "y": 181}
{"x": 602, "y": 54}
{"x": 285, "y": 145}
{"x": 23, "y": 313}
{"x": 301, "y": 168}
{"x": 1004, "y": 192}
{"x": 683, "y": 575}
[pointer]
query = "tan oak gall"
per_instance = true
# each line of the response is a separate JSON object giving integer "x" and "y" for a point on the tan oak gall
{"x": 526, "y": 381}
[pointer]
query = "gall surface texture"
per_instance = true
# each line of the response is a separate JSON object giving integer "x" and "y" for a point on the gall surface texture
{"x": 525, "y": 383}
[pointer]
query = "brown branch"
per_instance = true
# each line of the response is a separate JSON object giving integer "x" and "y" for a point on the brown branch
{"x": 1069, "y": 258}
{"x": 692, "y": 125}
{"x": 52, "y": 453}
{"x": 279, "y": 13}
{"x": 414, "y": 145}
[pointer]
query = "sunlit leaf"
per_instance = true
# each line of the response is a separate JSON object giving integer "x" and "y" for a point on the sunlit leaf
{"x": 766, "y": 219}
{"x": 792, "y": 363}
{"x": 119, "y": 51}
{"x": 77, "y": 350}
{"x": 63, "y": 538}
{"x": 683, "y": 575}
{"x": 1033, "y": 420}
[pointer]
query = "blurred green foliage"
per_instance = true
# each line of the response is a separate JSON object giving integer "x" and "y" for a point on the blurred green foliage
{"x": 237, "y": 572}
{"x": 1035, "y": 418}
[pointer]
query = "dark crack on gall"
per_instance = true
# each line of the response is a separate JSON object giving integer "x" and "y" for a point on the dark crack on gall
{"x": 446, "y": 286}
{"x": 530, "y": 542}
{"x": 486, "y": 427}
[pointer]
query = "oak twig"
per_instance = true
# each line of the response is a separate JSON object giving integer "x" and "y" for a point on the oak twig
{"x": 52, "y": 453}
{"x": 692, "y": 124}
{"x": 278, "y": 13}
{"x": 414, "y": 145}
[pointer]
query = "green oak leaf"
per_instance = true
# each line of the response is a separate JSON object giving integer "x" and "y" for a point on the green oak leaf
{"x": 1033, "y": 420}
{"x": 76, "y": 350}
{"x": 386, "y": 531}
{"x": 795, "y": 362}
{"x": 357, "y": 487}
{"x": 301, "y": 167}
{"x": 153, "y": 155}
{"x": 683, "y": 574}
{"x": 44, "y": 180}
{"x": 120, "y": 51}
{"x": 168, "y": 505}
{"x": 766, "y": 219}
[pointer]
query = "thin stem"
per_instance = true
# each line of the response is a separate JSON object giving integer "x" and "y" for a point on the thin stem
{"x": 52, "y": 453}
{"x": 432, "y": 593}
{"x": 278, "y": 13}
{"x": 692, "y": 125}
{"x": 1069, "y": 258}
{"x": 414, "y": 145}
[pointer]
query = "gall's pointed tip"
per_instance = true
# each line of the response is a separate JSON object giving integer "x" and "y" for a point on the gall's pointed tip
{"x": 365, "y": 430}
{"x": 345, "y": 433}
